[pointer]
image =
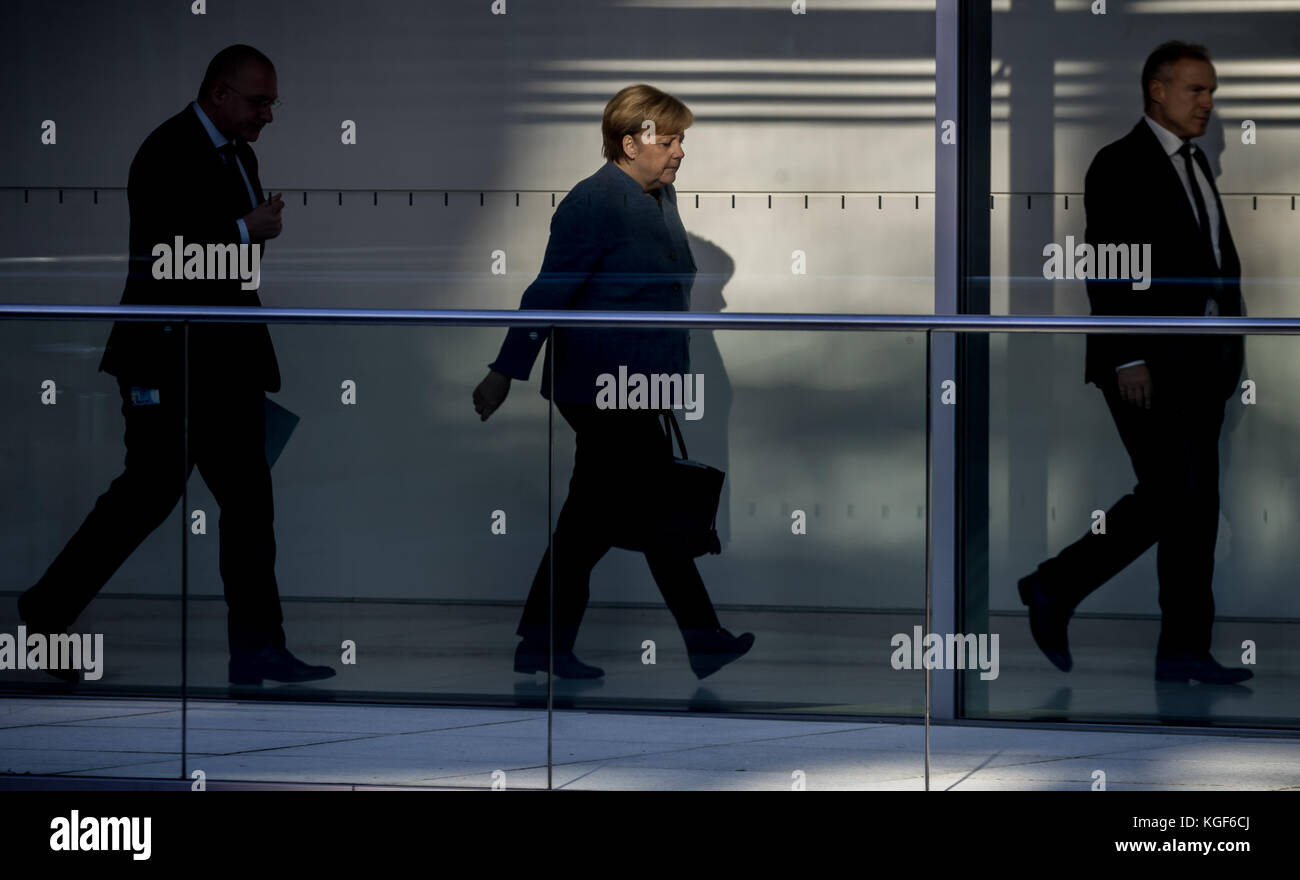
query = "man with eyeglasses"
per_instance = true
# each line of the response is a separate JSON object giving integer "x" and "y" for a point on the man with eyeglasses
{"x": 194, "y": 177}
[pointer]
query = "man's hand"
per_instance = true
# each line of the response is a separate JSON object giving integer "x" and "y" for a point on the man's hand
{"x": 1135, "y": 385}
{"x": 264, "y": 221}
{"x": 490, "y": 394}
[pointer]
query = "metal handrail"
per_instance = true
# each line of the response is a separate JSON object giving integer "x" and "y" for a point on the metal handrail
{"x": 1175, "y": 325}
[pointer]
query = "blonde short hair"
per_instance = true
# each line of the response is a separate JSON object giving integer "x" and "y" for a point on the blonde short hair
{"x": 633, "y": 105}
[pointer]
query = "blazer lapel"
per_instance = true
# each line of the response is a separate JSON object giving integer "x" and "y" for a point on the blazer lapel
{"x": 204, "y": 150}
{"x": 250, "y": 167}
{"x": 1160, "y": 167}
{"x": 214, "y": 169}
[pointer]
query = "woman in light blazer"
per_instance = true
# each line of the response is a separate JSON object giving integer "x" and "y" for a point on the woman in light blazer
{"x": 617, "y": 243}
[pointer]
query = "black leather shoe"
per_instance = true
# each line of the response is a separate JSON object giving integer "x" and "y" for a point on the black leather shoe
{"x": 275, "y": 664}
{"x": 710, "y": 650}
{"x": 530, "y": 659}
{"x": 1199, "y": 667}
{"x": 36, "y": 625}
{"x": 1048, "y": 621}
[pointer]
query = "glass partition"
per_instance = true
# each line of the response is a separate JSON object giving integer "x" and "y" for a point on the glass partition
{"x": 312, "y": 560}
{"x": 91, "y": 533}
{"x": 1117, "y": 544}
{"x": 403, "y": 528}
{"x": 818, "y": 585}
{"x": 1093, "y": 211}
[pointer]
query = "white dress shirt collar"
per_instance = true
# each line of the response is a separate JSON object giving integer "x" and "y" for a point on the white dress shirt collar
{"x": 218, "y": 139}
{"x": 1171, "y": 142}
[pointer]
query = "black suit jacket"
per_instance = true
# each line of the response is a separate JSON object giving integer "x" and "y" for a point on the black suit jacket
{"x": 178, "y": 185}
{"x": 1132, "y": 194}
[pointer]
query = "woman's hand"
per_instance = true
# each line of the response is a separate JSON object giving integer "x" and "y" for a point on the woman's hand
{"x": 490, "y": 394}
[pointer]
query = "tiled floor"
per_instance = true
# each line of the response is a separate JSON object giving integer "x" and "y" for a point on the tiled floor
{"x": 808, "y": 663}
{"x": 373, "y": 745}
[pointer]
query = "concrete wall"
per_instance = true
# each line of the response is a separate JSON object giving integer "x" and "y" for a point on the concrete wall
{"x": 393, "y": 497}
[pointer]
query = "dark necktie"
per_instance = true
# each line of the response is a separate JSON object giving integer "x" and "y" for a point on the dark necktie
{"x": 234, "y": 181}
{"x": 1228, "y": 305}
{"x": 1202, "y": 215}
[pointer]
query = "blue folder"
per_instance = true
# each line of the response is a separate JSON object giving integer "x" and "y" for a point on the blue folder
{"x": 280, "y": 423}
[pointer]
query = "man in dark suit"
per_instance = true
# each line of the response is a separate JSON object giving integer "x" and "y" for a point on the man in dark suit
{"x": 194, "y": 177}
{"x": 1165, "y": 393}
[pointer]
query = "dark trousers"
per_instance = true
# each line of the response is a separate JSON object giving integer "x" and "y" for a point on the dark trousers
{"x": 1174, "y": 447}
{"x": 227, "y": 440}
{"x": 612, "y": 480}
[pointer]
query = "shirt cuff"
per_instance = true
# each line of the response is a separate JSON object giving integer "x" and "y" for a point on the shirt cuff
{"x": 1129, "y": 364}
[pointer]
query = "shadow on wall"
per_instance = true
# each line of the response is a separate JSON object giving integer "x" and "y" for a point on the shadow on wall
{"x": 707, "y": 439}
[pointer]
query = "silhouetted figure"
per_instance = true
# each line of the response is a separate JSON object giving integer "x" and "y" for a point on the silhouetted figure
{"x": 1165, "y": 393}
{"x": 710, "y": 437}
{"x": 195, "y": 177}
{"x": 616, "y": 242}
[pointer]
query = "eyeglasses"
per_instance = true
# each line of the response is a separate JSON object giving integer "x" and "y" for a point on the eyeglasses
{"x": 258, "y": 103}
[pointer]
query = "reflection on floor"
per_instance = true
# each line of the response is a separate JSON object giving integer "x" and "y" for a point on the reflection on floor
{"x": 383, "y": 745}
{"x": 826, "y": 664}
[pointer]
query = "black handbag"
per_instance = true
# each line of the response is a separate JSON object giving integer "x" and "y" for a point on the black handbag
{"x": 682, "y": 516}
